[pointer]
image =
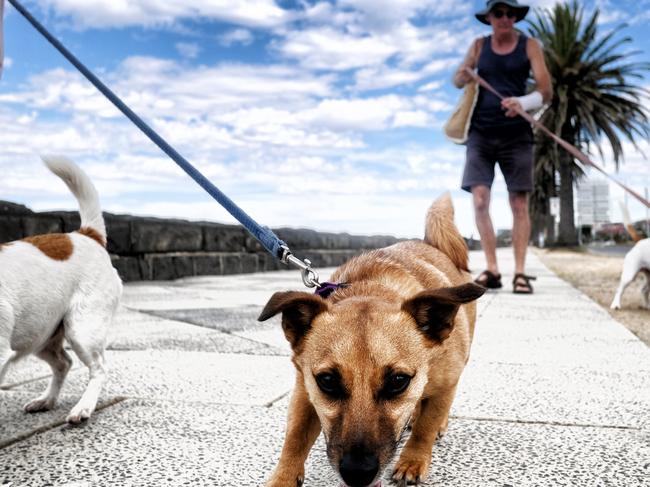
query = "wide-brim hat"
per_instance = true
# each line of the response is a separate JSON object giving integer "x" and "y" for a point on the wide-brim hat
{"x": 520, "y": 10}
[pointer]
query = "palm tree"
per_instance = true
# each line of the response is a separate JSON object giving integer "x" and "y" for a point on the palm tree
{"x": 594, "y": 95}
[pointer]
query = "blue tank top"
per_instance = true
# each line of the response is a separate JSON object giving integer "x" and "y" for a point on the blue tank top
{"x": 508, "y": 74}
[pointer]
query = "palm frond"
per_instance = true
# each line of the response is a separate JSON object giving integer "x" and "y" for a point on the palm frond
{"x": 597, "y": 98}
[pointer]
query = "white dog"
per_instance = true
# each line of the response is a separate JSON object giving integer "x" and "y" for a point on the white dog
{"x": 636, "y": 260}
{"x": 58, "y": 286}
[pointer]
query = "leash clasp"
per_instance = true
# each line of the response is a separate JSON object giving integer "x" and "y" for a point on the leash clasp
{"x": 309, "y": 275}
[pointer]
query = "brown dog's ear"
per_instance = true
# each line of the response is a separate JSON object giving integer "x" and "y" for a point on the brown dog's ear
{"x": 298, "y": 311}
{"x": 434, "y": 310}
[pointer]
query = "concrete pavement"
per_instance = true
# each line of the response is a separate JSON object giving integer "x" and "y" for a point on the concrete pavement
{"x": 556, "y": 393}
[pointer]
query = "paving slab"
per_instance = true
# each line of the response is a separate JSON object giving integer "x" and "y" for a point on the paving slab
{"x": 564, "y": 395}
{"x": 546, "y": 348}
{"x": 133, "y": 330}
{"x": 218, "y": 378}
{"x": 273, "y": 336}
{"x": 238, "y": 322}
{"x": 148, "y": 443}
{"x": 223, "y": 319}
{"x": 17, "y": 425}
{"x": 212, "y": 292}
{"x": 520, "y": 309}
{"x": 28, "y": 369}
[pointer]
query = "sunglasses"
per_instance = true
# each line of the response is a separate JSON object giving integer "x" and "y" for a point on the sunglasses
{"x": 511, "y": 14}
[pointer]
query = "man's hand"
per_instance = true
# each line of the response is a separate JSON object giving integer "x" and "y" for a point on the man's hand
{"x": 463, "y": 76}
{"x": 512, "y": 106}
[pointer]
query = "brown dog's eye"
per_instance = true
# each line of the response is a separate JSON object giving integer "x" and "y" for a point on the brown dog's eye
{"x": 394, "y": 385}
{"x": 330, "y": 384}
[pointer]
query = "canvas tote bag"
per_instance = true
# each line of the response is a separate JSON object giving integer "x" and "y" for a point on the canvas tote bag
{"x": 457, "y": 127}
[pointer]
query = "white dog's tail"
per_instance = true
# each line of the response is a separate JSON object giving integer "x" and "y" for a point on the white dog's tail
{"x": 628, "y": 223}
{"x": 83, "y": 189}
{"x": 441, "y": 232}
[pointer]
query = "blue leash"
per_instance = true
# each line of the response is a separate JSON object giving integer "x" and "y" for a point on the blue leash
{"x": 264, "y": 235}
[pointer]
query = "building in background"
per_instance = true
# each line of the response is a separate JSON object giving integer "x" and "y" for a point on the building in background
{"x": 592, "y": 203}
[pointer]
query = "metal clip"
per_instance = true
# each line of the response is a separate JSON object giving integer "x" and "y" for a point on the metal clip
{"x": 309, "y": 275}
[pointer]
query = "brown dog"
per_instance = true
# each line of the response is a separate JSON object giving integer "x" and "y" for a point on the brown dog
{"x": 382, "y": 353}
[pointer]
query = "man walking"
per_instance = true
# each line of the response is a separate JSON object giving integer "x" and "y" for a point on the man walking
{"x": 497, "y": 134}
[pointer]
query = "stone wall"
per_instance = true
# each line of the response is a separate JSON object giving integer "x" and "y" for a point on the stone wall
{"x": 160, "y": 249}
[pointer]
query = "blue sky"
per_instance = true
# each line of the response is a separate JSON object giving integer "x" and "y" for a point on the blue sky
{"x": 318, "y": 114}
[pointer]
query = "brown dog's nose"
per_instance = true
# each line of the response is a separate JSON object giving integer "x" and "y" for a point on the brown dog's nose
{"x": 358, "y": 467}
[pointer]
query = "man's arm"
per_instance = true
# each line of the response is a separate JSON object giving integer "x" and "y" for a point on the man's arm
{"x": 540, "y": 71}
{"x": 461, "y": 78}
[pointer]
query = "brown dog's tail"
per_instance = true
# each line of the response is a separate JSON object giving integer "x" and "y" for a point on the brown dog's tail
{"x": 628, "y": 223}
{"x": 441, "y": 232}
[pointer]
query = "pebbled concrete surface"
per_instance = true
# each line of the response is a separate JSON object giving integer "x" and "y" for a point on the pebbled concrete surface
{"x": 556, "y": 393}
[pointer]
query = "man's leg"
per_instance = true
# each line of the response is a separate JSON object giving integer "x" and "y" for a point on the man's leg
{"x": 520, "y": 229}
{"x": 481, "y": 196}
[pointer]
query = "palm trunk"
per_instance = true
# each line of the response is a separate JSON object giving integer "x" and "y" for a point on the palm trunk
{"x": 567, "y": 231}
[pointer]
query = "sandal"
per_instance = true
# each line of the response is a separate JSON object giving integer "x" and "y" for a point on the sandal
{"x": 489, "y": 280}
{"x": 521, "y": 284}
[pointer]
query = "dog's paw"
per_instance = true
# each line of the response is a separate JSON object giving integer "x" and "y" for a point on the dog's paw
{"x": 411, "y": 469}
{"x": 39, "y": 404}
{"x": 286, "y": 479}
{"x": 77, "y": 415}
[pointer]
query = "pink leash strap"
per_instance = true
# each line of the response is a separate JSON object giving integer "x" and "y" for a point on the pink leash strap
{"x": 570, "y": 148}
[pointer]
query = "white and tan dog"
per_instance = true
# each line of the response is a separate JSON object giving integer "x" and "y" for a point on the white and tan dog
{"x": 636, "y": 260}
{"x": 58, "y": 286}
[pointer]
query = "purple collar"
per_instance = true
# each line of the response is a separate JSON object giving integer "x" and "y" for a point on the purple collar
{"x": 327, "y": 288}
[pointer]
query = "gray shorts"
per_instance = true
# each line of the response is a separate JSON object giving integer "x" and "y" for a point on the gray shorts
{"x": 512, "y": 150}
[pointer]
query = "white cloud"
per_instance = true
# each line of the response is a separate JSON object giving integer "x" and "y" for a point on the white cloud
{"x": 361, "y": 114}
{"x": 188, "y": 50}
{"x": 270, "y": 179}
{"x": 432, "y": 86}
{"x": 383, "y": 76}
{"x": 157, "y": 88}
{"x": 63, "y": 90}
{"x": 640, "y": 19}
{"x": 401, "y": 53}
{"x": 227, "y": 106}
{"x": 348, "y": 47}
{"x": 611, "y": 13}
{"x": 541, "y": 4}
{"x": 413, "y": 118}
{"x": 326, "y": 48}
{"x": 237, "y": 36}
{"x": 87, "y": 14}
{"x": 384, "y": 15}
{"x": 424, "y": 44}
